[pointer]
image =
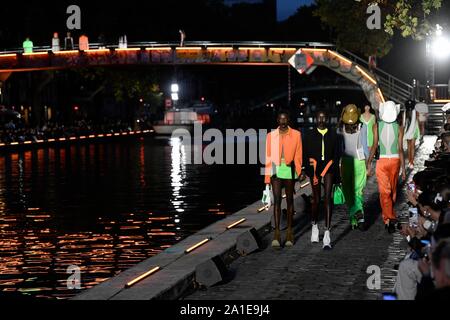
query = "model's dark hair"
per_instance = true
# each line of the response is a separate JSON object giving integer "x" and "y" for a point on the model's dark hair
{"x": 350, "y": 128}
{"x": 363, "y": 109}
{"x": 285, "y": 112}
{"x": 321, "y": 110}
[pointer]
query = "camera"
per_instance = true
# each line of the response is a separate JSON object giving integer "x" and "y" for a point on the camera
{"x": 413, "y": 217}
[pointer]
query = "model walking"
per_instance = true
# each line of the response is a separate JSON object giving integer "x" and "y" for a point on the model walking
{"x": 321, "y": 158}
{"x": 283, "y": 167}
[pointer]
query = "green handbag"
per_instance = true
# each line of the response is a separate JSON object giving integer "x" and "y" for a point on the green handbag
{"x": 338, "y": 195}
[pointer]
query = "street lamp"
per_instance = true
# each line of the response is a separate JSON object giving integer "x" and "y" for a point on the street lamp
{"x": 437, "y": 47}
{"x": 174, "y": 88}
{"x": 441, "y": 44}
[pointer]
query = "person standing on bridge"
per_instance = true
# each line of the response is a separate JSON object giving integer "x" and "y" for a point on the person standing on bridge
{"x": 182, "y": 37}
{"x": 390, "y": 140}
{"x": 83, "y": 42}
{"x": 55, "y": 42}
{"x": 283, "y": 167}
{"x": 27, "y": 46}
{"x": 68, "y": 42}
{"x": 353, "y": 164}
{"x": 321, "y": 157}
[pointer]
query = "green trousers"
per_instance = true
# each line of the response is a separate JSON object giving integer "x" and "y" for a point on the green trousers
{"x": 353, "y": 183}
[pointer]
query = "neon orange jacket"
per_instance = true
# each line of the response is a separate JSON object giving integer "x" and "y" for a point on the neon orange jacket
{"x": 290, "y": 143}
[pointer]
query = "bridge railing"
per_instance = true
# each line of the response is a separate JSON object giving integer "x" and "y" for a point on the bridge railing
{"x": 437, "y": 92}
{"x": 391, "y": 86}
{"x": 144, "y": 44}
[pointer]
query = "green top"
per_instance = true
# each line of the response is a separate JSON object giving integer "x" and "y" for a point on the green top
{"x": 369, "y": 125}
{"x": 388, "y": 134}
{"x": 27, "y": 46}
{"x": 284, "y": 171}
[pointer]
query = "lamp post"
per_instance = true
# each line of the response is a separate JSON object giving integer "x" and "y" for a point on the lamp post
{"x": 429, "y": 71}
{"x": 437, "y": 47}
{"x": 174, "y": 89}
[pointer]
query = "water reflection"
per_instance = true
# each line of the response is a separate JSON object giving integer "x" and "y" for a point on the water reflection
{"x": 104, "y": 207}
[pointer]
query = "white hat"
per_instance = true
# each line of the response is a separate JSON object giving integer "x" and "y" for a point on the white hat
{"x": 421, "y": 107}
{"x": 389, "y": 111}
{"x": 446, "y": 107}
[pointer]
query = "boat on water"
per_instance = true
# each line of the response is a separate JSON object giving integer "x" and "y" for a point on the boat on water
{"x": 184, "y": 118}
{"x": 176, "y": 119}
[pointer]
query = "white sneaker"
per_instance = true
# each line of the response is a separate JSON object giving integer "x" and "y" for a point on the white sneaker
{"x": 327, "y": 240}
{"x": 315, "y": 233}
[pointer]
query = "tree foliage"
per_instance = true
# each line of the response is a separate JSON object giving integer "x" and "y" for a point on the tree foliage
{"x": 126, "y": 85}
{"x": 347, "y": 19}
{"x": 411, "y": 18}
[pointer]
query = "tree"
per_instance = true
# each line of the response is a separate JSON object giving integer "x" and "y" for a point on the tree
{"x": 412, "y": 18}
{"x": 348, "y": 21}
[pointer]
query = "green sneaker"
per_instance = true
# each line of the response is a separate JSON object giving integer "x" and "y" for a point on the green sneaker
{"x": 360, "y": 220}
{"x": 354, "y": 222}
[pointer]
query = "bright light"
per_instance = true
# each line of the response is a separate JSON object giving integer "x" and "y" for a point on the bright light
{"x": 143, "y": 276}
{"x": 174, "y": 88}
{"x": 438, "y": 30}
{"x": 197, "y": 245}
{"x": 175, "y": 96}
{"x": 441, "y": 47}
{"x": 236, "y": 223}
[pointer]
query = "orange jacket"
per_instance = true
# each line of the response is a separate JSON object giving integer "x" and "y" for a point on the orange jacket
{"x": 290, "y": 143}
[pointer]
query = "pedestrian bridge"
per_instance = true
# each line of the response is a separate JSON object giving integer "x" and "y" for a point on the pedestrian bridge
{"x": 376, "y": 84}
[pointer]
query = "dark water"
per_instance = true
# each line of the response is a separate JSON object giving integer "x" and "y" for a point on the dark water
{"x": 105, "y": 207}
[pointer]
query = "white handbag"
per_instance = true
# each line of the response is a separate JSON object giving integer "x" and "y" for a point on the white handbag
{"x": 267, "y": 197}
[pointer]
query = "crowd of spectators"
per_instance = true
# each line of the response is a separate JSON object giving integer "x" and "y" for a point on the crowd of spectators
{"x": 18, "y": 132}
{"x": 425, "y": 271}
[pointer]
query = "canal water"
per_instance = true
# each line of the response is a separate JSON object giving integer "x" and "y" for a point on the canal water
{"x": 104, "y": 207}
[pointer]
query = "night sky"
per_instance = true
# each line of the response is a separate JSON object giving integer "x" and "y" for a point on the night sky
{"x": 285, "y": 8}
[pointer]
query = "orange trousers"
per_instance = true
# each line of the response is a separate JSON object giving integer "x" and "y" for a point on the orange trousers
{"x": 387, "y": 176}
